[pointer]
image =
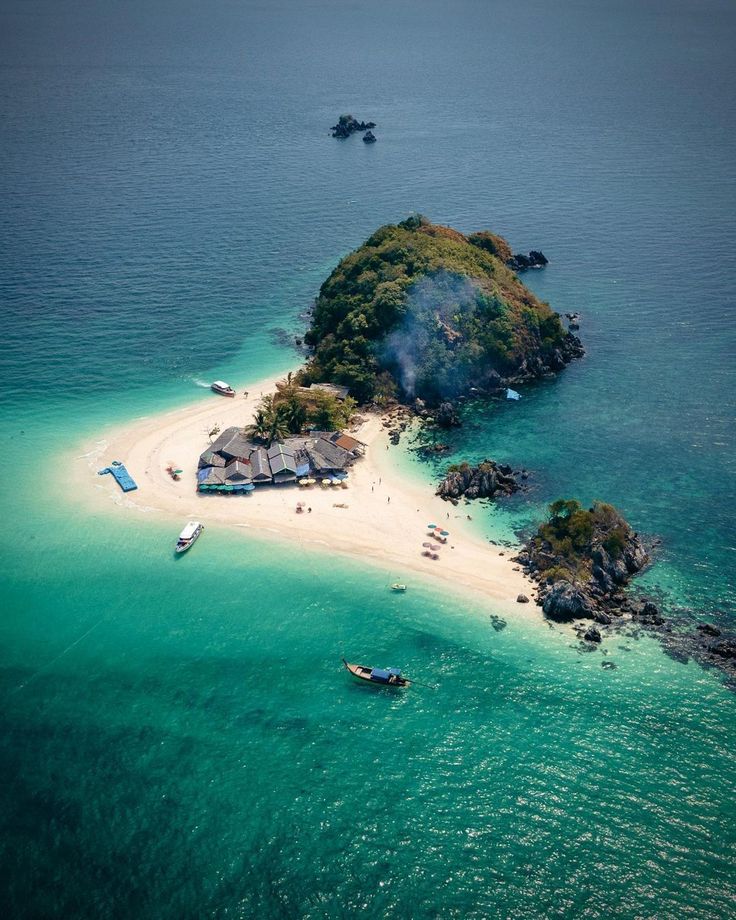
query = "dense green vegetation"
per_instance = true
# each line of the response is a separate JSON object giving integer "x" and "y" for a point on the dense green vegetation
{"x": 291, "y": 410}
{"x": 570, "y": 533}
{"x": 423, "y": 310}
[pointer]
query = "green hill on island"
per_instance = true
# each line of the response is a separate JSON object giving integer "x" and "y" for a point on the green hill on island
{"x": 420, "y": 310}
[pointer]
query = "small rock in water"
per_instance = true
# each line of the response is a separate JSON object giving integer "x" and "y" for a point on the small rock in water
{"x": 592, "y": 635}
{"x": 608, "y": 665}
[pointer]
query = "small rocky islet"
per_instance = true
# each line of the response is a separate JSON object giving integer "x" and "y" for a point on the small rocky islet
{"x": 486, "y": 479}
{"x": 347, "y": 125}
{"x": 583, "y": 560}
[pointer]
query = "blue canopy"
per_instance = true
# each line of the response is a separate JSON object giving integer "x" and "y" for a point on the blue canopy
{"x": 512, "y": 394}
{"x": 379, "y": 674}
{"x": 395, "y": 671}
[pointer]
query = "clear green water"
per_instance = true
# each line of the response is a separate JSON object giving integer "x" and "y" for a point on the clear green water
{"x": 179, "y": 739}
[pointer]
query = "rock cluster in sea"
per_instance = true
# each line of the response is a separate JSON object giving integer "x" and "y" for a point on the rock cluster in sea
{"x": 485, "y": 480}
{"x": 599, "y": 593}
{"x": 347, "y": 125}
{"x": 520, "y": 263}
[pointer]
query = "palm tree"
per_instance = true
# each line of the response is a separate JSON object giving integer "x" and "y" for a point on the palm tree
{"x": 278, "y": 428}
{"x": 260, "y": 427}
{"x": 295, "y": 414}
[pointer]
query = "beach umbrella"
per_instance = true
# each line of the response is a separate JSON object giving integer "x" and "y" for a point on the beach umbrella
{"x": 304, "y": 482}
{"x": 431, "y": 526}
{"x": 326, "y": 482}
{"x": 311, "y": 482}
{"x": 228, "y": 488}
{"x": 335, "y": 482}
{"x": 178, "y": 471}
{"x": 444, "y": 533}
{"x": 426, "y": 545}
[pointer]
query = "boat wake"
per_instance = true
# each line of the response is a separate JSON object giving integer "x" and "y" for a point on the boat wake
{"x": 200, "y": 383}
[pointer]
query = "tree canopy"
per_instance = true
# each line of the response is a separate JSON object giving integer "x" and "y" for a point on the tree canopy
{"x": 435, "y": 310}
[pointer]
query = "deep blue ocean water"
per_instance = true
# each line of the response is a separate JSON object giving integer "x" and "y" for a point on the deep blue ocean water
{"x": 179, "y": 740}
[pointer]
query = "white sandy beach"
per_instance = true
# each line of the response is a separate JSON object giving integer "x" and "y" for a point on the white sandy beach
{"x": 372, "y": 528}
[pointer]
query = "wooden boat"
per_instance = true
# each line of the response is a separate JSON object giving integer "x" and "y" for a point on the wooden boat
{"x": 224, "y": 389}
{"x": 388, "y": 677}
{"x": 397, "y": 586}
{"x": 187, "y": 537}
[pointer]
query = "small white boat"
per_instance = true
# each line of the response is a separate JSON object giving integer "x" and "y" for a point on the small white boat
{"x": 188, "y": 536}
{"x": 224, "y": 389}
{"x": 397, "y": 586}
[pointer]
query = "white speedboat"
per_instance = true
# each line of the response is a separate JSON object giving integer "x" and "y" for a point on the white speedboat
{"x": 224, "y": 389}
{"x": 188, "y": 536}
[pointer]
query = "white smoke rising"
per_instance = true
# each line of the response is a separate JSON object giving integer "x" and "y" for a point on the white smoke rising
{"x": 433, "y": 304}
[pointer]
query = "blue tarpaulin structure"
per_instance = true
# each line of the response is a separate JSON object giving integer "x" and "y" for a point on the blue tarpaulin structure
{"x": 512, "y": 394}
{"x": 121, "y": 475}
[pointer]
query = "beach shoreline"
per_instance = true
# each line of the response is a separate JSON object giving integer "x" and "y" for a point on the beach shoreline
{"x": 383, "y": 523}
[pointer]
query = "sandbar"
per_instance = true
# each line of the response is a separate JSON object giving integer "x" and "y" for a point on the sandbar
{"x": 383, "y": 523}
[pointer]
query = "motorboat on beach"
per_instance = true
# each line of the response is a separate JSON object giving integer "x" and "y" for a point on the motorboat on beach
{"x": 187, "y": 537}
{"x": 398, "y": 587}
{"x": 383, "y": 677}
{"x": 224, "y": 389}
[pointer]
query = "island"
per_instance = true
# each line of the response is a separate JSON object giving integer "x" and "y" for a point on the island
{"x": 417, "y": 317}
{"x": 347, "y": 125}
{"x": 423, "y": 311}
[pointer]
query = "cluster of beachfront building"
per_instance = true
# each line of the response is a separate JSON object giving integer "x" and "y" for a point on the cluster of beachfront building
{"x": 237, "y": 463}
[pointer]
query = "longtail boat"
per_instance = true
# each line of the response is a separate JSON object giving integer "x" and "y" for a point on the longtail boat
{"x": 382, "y": 677}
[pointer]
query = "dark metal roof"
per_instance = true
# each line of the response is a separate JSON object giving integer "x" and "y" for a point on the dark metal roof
{"x": 332, "y": 388}
{"x": 238, "y": 471}
{"x": 281, "y": 459}
{"x": 233, "y": 444}
{"x": 261, "y": 468}
{"x": 210, "y": 458}
{"x": 215, "y": 476}
{"x": 324, "y": 455}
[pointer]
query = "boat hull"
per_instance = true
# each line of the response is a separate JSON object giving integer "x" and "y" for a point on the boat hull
{"x": 183, "y": 545}
{"x": 362, "y": 673}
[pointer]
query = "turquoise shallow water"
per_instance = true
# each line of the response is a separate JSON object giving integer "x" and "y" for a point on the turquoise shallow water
{"x": 178, "y": 736}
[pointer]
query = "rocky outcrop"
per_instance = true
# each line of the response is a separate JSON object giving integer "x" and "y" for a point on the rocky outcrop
{"x": 583, "y": 562}
{"x": 520, "y": 263}
{"x": 348, "y": 125}
{"x": 486, "y": 480}
{"x": 369, "y": 137}
{"x": 446, "y": 416}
